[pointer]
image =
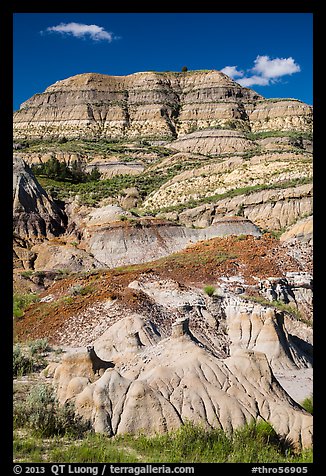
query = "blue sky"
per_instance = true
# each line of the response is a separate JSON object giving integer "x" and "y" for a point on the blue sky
{"x": 270, "y": 52}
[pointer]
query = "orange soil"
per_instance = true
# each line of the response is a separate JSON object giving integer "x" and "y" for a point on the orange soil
{"x": 201, "y": 264}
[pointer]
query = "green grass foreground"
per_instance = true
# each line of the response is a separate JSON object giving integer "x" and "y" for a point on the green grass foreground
{"x": 254, "y": 443}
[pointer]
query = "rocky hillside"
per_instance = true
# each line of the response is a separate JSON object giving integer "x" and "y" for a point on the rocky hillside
{"x": 140, "y": 318}
{"x": 152, "y": 104}
{"x": 187, "y": 265}
{"x": 187, "y": 147}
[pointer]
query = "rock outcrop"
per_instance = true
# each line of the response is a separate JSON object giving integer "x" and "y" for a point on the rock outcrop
{"x": 158, "y": 385}
{"x": 34, "y": 212}
{"x": 212, "y": 142}
{"x": 152, "y": 104}
{"x": 255, "y": 327}
{"x": 130, "y": 241}
{"x": 62, "y": 256}
{"x": 302, "y": 230}
{"x": 106, "y": 236}
{"x": 221, "y": 178}
{"x": 180, "y": 353}
{"x": 270, "y": 209}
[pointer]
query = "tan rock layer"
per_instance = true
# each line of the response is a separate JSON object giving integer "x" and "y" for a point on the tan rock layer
{"x": 151, "y": 104}
{"x": 268, "y": 209}
{"x": 162, "y": 386}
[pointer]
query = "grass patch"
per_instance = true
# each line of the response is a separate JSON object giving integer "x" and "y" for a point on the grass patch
{"x": 29, "y": 450}
{"x": 21, "y": 302}
{"x": 209, "y": 290}
{"x": 280, "y": 305}
{"x": 93, "y": 147}
{"x": 200, "y": 258}
{"x": 254, "y": 443}
{"x": 94, "y": 449}
{"x": 297, "y": 135}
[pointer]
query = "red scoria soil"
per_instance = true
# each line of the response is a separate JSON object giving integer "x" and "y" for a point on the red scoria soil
{"x": 200, "y": 264}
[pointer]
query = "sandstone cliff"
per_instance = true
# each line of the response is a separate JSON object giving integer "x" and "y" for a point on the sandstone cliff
{"x": 152, "y": 104}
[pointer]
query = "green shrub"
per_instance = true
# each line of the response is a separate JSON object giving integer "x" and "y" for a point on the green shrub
{"x": 21, "y": 302}
{"x": 31, "y": 359}
{"x": 209, "y": 290}
{"x": 27, "y": 274}
{"x": 39, "y": 345}
{"x": 22, "y": 363}
{"x": 45, "y": 417}
{"x": 307, "y": 404}
{"x": 78, "y": 289}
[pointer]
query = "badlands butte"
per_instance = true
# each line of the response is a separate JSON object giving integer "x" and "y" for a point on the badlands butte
{"x": 187, "y": 264}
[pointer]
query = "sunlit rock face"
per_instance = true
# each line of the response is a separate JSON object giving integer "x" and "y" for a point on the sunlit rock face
{"x": 152, "y": 104}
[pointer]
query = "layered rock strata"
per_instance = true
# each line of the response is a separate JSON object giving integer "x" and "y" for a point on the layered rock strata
{"x": 269, "y": 209}
{"x": 138, "y": 241}
{"x": 152, "y": 104}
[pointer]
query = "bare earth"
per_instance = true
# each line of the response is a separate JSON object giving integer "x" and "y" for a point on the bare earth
{"x": 297, "y": 383}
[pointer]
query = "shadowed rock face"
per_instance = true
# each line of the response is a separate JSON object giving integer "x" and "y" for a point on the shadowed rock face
{"x": 35, "y": 215}
{"x": 151, "y": 104}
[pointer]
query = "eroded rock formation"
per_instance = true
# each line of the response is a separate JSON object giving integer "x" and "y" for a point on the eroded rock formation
{"x": 159, "y": 383}
{"x": 34, "y": 212}
{"x": 152, "y": 104}
{"x": 138, "y": 241}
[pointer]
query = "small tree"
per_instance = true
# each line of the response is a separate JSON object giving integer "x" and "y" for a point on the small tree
{"x": 94, "y": 175}
{"x": 77, "y": 172}
{"x": 64, "y": 172}
{"x": 184, "y": 69}
{"x": 52, "y": 168}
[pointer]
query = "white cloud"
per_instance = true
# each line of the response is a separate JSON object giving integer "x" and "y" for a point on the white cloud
{"x": 80, "y": 30}
{"x": 232, "y": 71}
{"x": 267, "y": 71}
{"x": 251, "y": 80}
{"x": 275, "y": 68}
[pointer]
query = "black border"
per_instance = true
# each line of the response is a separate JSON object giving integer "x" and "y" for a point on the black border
{"x": 6, "y": 91}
